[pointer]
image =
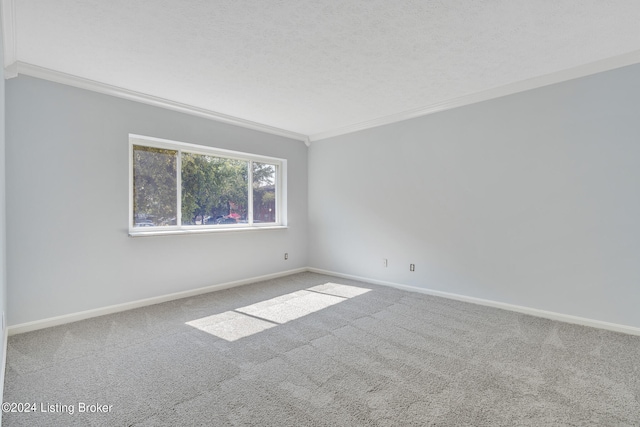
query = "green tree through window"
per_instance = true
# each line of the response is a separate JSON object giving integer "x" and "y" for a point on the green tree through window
{"x": 214, "y": 189}
{"x": 154, "y": 186}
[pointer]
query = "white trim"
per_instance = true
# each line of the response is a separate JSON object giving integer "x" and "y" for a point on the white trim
{"x": 130, "y": 190}
{"x": 5, "y": 338}
{"x": 250, "y": 194}
{"x": 567, "y": 318}
{"x": 198, "y": 229}
{"x": 182, "y": 147}
{"x": 283, "y": 188}
{"x": 485, "y": 95}
{"x": 80, "y": 82}
{"x": 13, "y": 68}
{"x": 178, "y": 187}
{"x": 11, "y": 71}
{"x": 9, "y": 38}
{"x": 206, "y": 150}
{"x": 74, "y": 317}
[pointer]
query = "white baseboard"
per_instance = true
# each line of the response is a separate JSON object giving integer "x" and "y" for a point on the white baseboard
{"x": 74, "y": 317}
{"x": 5, "y": 333}
{"x": 631, "y": 330}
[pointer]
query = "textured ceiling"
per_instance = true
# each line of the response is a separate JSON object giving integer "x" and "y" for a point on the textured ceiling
{"x": 312, "y": 67}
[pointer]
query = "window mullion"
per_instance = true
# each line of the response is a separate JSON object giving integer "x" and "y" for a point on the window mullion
{"x": 250, "y": 193}
{"x": 276, "y": 189}
{"x": 179, "y": 189}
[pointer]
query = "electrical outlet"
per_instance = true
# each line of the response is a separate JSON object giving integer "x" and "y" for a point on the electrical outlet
{"x": 384, "y": 262}
{"x": 412, "y": 267}
{"x": 286, "y": 256}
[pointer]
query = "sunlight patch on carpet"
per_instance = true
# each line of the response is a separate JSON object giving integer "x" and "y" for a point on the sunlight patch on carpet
{"x": 245, "y": 321}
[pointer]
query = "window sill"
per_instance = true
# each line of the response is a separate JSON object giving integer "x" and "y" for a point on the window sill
{"x": 137, "y": 233}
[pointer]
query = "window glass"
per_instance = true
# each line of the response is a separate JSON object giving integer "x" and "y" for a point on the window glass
{"x": 179, "y": 187}
{"x": 154, "y": 186}
{"x": 214, "y": 190}
{"x": 264, "y": 192}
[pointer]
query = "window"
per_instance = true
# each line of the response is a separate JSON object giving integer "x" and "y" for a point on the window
{"x": 181, "y": 188}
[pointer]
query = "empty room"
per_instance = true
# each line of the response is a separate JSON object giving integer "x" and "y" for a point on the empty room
{"x": 354, "y": 213}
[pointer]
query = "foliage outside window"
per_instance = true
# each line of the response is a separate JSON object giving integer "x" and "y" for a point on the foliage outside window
{"x": 177, "y": 186}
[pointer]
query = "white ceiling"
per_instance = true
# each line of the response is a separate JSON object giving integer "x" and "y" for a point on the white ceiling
{"x": 320, "y": 67}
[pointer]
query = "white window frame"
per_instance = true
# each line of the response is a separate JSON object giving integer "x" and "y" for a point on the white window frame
{"x": 280, "y": 188}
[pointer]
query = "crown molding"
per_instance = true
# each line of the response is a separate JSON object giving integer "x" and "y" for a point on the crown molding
{"x": 15, "y": 68}
{"x": 92, "y": 85}
{"x": 8, "y": 11}
{"x": 497, "y": 92}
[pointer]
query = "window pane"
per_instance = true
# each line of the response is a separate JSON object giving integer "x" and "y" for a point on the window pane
{"x": 264, "y": 192}
{"x": 154, "y": 186}
{"x": 214, "y": 190}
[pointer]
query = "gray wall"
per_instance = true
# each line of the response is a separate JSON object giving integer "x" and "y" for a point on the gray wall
{"x": 67, "y": 205}
{"x": 531, "y": 199}
{"x": 3, "y": 258}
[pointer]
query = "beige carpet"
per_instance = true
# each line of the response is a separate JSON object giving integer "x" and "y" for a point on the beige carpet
{"x": 314, "y": 350}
